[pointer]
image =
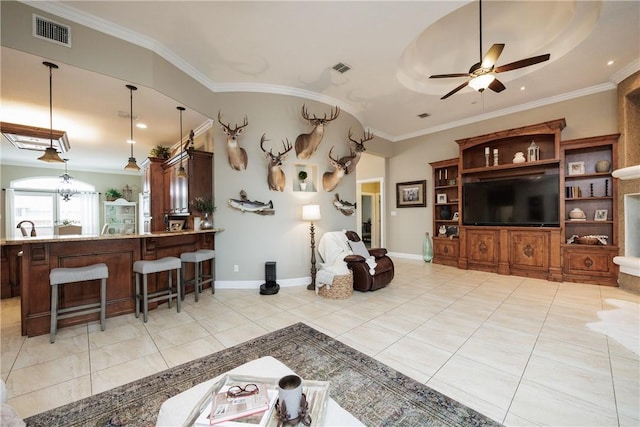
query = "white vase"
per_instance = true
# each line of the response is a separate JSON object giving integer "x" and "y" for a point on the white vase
{"x": 519, "y": 157}
{"x": 197, "y": 223}
{"x": 303, "y": 186}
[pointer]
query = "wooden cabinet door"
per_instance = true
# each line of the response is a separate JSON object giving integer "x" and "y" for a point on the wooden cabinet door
{"x": 483, "y": 248}
{"x": 529, "y": 249}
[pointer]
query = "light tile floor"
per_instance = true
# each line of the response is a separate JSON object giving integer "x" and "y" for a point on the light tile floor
{"x": 521, "y": 351}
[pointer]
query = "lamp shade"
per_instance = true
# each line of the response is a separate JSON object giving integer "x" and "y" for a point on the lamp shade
{"x": 310, "y": 212}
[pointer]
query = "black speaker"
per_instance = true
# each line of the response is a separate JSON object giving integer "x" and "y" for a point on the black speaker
{"x": 270, "y": 287}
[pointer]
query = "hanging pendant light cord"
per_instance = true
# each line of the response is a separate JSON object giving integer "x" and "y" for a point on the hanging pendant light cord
{"x": 131, "y": 118}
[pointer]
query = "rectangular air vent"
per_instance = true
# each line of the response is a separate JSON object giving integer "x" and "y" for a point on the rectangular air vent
{"x": 341, "y": 68}
{"x": 424, "y": 115}
{"x": 47, "y": 29}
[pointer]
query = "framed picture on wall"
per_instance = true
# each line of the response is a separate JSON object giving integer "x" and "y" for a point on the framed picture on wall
{"x": 411, "y": 194}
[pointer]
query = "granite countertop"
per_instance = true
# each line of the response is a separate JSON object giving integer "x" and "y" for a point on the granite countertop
{"x": 78, "y": 237}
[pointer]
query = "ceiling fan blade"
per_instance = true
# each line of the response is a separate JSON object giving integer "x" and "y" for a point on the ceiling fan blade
{"x": 492, "y": 56}
{"x": 446, "y": 76}
{"x": 496, "y": 86}
{"x": 455, "y": 90}
{"x": 522, "y": 63}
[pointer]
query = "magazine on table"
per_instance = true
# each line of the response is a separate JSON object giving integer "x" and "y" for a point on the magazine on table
{"x": 227, "y": 409}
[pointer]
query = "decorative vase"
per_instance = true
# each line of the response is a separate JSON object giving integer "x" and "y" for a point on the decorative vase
{"x": 303, "y": 186}
{"x": 445, "y": 212}
{"x": 577, "y": 214}
{"x": 197, "y": 223}
{"x": 207, "y": 222}
{"x": 427, "y": 248}
{"x": 603, "y": 166}
{"x": 519, "y": 157}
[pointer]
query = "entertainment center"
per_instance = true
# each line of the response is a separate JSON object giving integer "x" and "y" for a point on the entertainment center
{"x": 504, "y": 205}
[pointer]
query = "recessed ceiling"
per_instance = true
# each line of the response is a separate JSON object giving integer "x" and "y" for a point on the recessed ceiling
{"x": 289, "y": 48}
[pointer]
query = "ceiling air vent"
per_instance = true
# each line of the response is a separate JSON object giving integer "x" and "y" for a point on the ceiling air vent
{"x": 424, "y": 115}
{"x": 341, "y": 68}
{"x": 49, "y": 30}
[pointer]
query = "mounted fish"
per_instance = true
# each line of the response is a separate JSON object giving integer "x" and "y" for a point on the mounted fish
{"x": 245, "y": 205}
{"x": 344, "y": 207}
{"x": 276, "y": 178}
{"x": 236, "y": 155}
{"x": 330, "y": 180}
{"x": 359, "y": 149}
{"x": 307, "y": 143}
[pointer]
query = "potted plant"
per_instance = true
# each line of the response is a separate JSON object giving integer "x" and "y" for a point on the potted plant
{"x": 302, "y": 176}
{"x": 160, "y": 151}
{"x": 206, "y": 206}
{"x": 112, "y": 194}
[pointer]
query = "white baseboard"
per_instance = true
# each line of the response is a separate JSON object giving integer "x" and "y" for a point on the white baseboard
{"x": 403, "y": 255}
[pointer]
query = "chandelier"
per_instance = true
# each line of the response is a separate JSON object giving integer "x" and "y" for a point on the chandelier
{"x": 66, "y": 188}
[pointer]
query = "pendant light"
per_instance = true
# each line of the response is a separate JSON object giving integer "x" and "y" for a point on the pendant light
{"x": 50, "y": 154}
{"x": 67, "y": 187}
{"x": 132, "y": 165}
{"x": 182, "y": 173}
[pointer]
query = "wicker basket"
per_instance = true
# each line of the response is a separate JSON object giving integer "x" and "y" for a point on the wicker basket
{"x": 342, "y": 287}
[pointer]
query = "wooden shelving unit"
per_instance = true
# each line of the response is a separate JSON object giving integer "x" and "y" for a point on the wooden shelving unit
{"x": 446, "y": 180}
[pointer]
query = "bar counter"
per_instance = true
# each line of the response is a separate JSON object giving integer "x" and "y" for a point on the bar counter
{"x": 42, "y": 254}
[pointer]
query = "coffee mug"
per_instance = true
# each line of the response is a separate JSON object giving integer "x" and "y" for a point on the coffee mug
{"x": 290, "y": 393}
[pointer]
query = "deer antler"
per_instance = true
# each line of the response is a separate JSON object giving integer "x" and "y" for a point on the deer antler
{"x": 262, "y": 141}
{"x": 287, "y": 147}
{"x": 368, "y": 136}
{"x": 324, "y": 119}
{"x": 227, "y": 127}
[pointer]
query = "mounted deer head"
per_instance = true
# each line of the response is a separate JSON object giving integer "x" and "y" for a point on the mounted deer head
{"x": 330, "y": 180}
{"x": 307, "y": 143}
{"x": 236, "y": 155}
{"x": 359, "y": 149}
{"x": 275, "y": 176}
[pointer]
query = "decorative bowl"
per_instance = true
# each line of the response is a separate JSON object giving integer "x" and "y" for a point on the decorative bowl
{"x": 587, "y": 240}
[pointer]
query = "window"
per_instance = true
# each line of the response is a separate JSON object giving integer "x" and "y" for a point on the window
{"x": 36, "y": 200}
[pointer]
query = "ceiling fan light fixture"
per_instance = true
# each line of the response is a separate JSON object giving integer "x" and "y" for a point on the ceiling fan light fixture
{"x": 50, "y": 154}
{"x": 131, "y": 164}
{"x": 482, "y": 82}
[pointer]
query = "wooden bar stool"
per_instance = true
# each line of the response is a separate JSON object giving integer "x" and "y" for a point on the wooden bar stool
{"x": 199, "y": 279}
{"x": 61, "y": 276}
{"x": 144, "y": 268}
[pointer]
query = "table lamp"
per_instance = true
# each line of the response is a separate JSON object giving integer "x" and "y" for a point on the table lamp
{"x": 312, "y": 213}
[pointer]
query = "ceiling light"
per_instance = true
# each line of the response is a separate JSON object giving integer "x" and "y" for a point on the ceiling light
{"x": 522, "y": 88}
{"x": 141, "y": 125}
{"x": 50, "y": 154}
{"x": 66, "y": 188}
{"x": 34, "y": 138}
{"x": 131, "y": 165}
{"x": 482, "y": 82}
{"x": 611, "y": 62}
{"x": 182, "y": 173}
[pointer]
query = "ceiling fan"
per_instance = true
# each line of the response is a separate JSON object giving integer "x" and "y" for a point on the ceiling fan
{"x": 482, "y": 74}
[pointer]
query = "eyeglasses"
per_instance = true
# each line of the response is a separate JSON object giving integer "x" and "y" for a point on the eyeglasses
{"x": 238, "y": 391}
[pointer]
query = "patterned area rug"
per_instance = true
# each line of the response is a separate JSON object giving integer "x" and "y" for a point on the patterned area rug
{"x": 373, "y": 392}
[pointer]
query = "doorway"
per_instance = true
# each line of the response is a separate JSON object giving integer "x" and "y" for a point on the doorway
{"x": 370, "y": 220}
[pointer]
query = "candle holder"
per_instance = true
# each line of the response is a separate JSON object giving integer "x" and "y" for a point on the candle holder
{"x": 495, "y": 157}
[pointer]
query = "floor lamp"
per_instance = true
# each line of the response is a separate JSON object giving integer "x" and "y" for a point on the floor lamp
{"x": 312, "y": 213}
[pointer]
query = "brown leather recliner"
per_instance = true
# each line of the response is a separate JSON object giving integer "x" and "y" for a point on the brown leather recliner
{"x": 363, "y": 280}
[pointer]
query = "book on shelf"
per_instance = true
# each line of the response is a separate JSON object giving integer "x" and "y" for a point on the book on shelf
{"x": 227, "y": 411}
{"x": 573, "y": 192}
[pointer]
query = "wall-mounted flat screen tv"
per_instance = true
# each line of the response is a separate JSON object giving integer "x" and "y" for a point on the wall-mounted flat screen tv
{"x": 531, "y": 200}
